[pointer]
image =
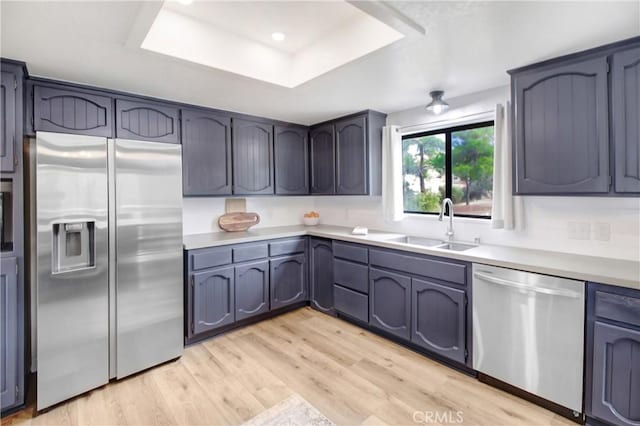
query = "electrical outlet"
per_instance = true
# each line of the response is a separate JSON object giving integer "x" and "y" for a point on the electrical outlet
{"x": 579, "y": 230}
{"x": 602, "y": 231}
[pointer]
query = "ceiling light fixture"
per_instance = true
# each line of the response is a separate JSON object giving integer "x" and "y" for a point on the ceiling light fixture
{"x": 278, "y": 36}
{"x": 437, "y": 105}
{"x": 185, "y": 2}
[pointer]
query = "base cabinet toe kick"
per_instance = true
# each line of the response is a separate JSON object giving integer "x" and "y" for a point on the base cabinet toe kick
{"x": 431, "y": 305}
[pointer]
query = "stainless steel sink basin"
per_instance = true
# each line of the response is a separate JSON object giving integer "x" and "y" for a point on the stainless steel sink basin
{"x": 419, "y": 241}
{"x": 456, "y": 246}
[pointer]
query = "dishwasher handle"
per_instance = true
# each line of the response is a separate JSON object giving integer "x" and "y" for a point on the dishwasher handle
{"x": 508, "y": 283}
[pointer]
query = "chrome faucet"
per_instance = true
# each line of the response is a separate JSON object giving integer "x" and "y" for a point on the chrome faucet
{"x": 448, "y": 201}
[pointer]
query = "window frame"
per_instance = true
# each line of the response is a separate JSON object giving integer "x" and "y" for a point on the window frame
{"x": 448, "y": 161}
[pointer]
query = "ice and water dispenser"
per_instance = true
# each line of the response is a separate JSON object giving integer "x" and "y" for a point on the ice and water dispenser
{"x": 73, "y": 246}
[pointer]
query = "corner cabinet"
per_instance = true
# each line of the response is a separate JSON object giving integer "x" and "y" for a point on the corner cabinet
{"x": 291, "y": 160}
{"x": 321, "y": 274}
{"x": 625, "y": 103}
{"x": 252, "y": 158}
{"x": 613, "y": 355}
{"x": 147, "y": 121}
{"x": 346, "y": 155}
{"x": 206, "y": 153}
{"x": 574, "y": 118}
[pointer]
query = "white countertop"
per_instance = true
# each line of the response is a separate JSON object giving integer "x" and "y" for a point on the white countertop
{"x": 624, "y": 273}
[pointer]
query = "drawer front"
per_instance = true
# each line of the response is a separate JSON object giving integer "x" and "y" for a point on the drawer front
{"x": 209, "y": 258}
{"x": 351, "y": 252}
{"x": 351, "y": 275}
{"x": 351, "y": 303}
{"x": 278, "y": 248}
{"x": 250, "y": 252}
{"x": 447, "y": 271}
{"x": 618, "y": 307}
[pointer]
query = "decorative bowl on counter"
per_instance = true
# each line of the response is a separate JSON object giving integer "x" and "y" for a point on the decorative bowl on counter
{"x": 311, "y": 219}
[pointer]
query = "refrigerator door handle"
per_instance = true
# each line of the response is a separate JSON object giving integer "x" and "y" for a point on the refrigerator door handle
{"x": 111, "y": 185}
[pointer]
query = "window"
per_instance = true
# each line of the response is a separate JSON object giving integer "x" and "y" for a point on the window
{"x": 455, "y": 163}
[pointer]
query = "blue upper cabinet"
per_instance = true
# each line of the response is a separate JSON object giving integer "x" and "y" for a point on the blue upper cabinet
{"x": 291, "y": 160}
{"x": 625, "y": 103}
{"x": 323, "y": 148}
{"x": 206, "y": 153}
{"x": 561, "y": 128}
{"x": 147, "y": 121}
{"x": 252, "y": 157}
{"x": 575, "y": 123}
{"x": 63, "y": 109}
{"x": 351, "y": 156}
{"x": 8, "y": 136}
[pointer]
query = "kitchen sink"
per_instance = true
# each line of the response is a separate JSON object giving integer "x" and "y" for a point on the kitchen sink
{"x": 419, "y": 241}
{"x": 456, "y": 246}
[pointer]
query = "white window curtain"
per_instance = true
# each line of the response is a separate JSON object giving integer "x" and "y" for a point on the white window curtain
{"x": 392, "y": 185}
{"x": 507, "y": 210}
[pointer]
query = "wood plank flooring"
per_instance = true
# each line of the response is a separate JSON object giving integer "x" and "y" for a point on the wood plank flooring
{"x": 349, "y": 374}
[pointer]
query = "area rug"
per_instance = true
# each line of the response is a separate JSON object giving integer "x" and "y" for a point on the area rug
{"x": 293, "y": 411}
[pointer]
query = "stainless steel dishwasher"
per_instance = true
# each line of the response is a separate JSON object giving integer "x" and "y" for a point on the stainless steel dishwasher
{"x": 528, "y": 331}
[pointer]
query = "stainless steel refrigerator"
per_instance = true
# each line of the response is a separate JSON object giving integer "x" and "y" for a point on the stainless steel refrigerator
{"x": 108, "y": 260}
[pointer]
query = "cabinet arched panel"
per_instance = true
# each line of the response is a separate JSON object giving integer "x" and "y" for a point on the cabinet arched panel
{"x": 292, "y": 159}
{"x": 71, "y": 111}
{"x": 562, "y": 133}
{"x": 616, "y": 379}
{"x": 323, "y": 160}
{"x": 206, "y": 153}
{"x": 288, "y": 280}
{"x": 438, "y": 319}
{"x": 8, "y": 125}
{"x": 252, "y": 289}
{"x": 252, "y": 158}
{"x": 625, "y": 101}
{"x": 213, "y": 295}
{"x": 351, "y": 156}
{"x": 146, "y": 121}
{"x": 390, "y": 302}
{"x": 321, "y": 274}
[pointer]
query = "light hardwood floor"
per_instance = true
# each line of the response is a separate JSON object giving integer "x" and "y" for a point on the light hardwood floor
{"x": 350, "y": 375}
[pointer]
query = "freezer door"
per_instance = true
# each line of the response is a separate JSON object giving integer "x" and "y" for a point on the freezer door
{"x": 148, "y": 198}
{"x": 71, "y": 266}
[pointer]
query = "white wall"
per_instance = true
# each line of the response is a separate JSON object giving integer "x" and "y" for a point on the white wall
{"x": 547, "y": 220}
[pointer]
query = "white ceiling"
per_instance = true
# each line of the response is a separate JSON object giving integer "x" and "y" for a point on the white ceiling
{"x": 468, "y": 46}
{"x": 236, "y": 36}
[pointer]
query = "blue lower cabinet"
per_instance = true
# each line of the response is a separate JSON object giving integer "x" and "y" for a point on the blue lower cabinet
{"x": 288, "y": 280}
{"x": 9, "y": 320}
{"x": 438, "y": 319}
{"x": 213, "y": 299}
{"x": 390, "y": 302}
{"x": 251, "y": 289}
{"x": 616, "y": 374}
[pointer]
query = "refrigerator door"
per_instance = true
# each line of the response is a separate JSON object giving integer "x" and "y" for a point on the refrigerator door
{"x": 72, "y": 266}
{"x": 148, "y": 193}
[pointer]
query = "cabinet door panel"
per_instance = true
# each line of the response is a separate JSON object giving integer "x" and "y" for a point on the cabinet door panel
{"x": 146, "y": 121}
{"x": 252, "y": 289}
{"x": 390, "y": 302}
{"x": 252, "y": 158}
{"x": 321, "y": 274}
{"x": 9, "y": 332}
{"x": 292, "y": 159}
{"x": 438, "y": 319}
{"x": 8, "y": 117}
{"x": 351, "y": 156}
{"x": 323, "y": 160}
{"x": 206, "y": 153}
{"x": 561, "y": 129}
{"x": 213, "y": 299}
{"x": 288, "y": 280}
{"x": 625, "y": 102}
{"x": 616, "y": 374}
{"x": 66, "y": 110}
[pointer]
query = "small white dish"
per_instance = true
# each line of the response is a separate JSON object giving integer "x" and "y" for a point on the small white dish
{"x": 310, "y": 221}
